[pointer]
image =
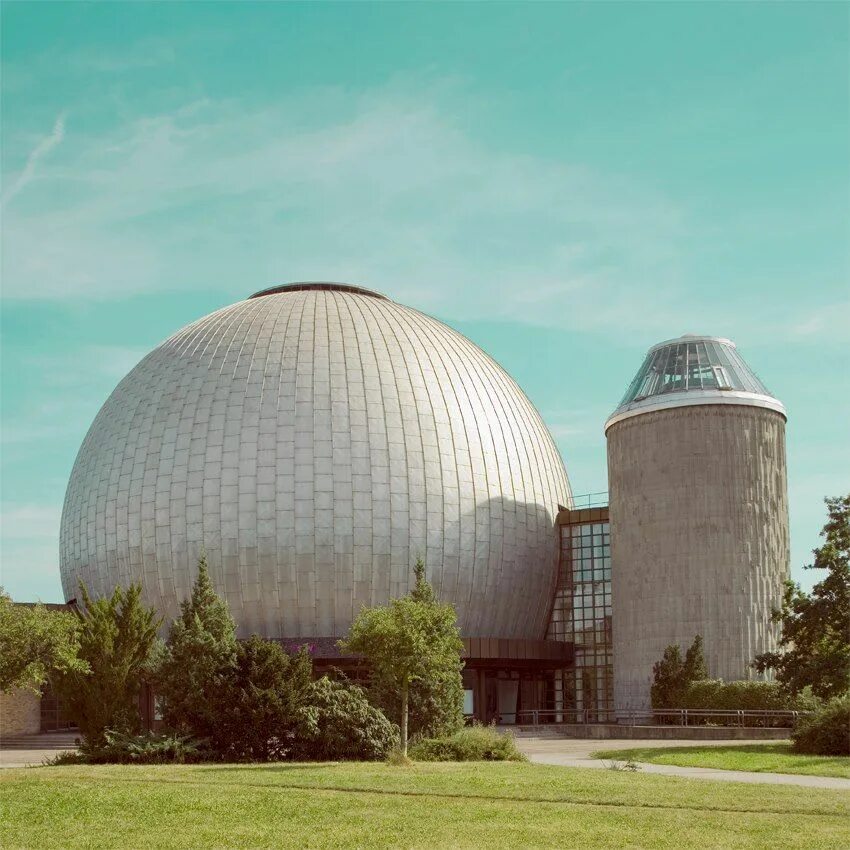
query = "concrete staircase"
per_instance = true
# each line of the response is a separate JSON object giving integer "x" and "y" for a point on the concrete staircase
{"x": 42, "y": 741}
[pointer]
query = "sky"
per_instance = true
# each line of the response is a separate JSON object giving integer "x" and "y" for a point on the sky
{"x": 565, "y": 184}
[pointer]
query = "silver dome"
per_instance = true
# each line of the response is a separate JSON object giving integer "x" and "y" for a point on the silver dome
{"x": 693, "y": 370}
{"x": 315, "y": 440}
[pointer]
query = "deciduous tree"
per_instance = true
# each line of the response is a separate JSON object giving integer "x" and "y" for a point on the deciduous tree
{"x": 435, "y": 701}
{"x": 411, "y": 639}
{"x": 814, "y": 645}
{"x": 36, "y": 642}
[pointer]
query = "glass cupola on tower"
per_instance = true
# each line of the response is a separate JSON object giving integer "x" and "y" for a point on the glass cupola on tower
{"x": 693, "y": 370}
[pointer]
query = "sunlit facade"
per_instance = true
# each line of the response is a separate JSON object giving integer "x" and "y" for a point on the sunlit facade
{"x": 315, "y": 439}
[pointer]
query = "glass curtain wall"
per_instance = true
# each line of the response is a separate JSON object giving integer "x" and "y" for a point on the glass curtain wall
{"x": 582, "y": 616}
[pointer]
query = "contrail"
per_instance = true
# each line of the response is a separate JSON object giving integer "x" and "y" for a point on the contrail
{"x": 39, "y": 152}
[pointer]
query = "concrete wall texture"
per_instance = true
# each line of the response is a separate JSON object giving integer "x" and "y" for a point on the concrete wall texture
{"x": 20, "y": 713}
{"x": 699, "y": 539}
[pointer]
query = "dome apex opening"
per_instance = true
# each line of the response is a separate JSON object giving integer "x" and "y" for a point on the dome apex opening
{"x": 321, "y": 285}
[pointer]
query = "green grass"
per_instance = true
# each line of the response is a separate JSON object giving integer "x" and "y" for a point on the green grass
{"x": 433, "y": 805}
{"x": 759, "y": 758}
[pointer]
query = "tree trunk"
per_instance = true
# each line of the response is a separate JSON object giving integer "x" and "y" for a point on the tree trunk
{"x": 404, "y": 689}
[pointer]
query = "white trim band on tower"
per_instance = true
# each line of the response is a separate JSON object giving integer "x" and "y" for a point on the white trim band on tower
{"x": 696, "y": 397}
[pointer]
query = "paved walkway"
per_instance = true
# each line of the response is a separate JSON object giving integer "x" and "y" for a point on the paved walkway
{"x": 35, "y": 749}
{"x": 575, "y": 752}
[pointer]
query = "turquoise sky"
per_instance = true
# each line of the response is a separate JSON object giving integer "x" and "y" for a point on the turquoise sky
{"x": 566, "y": 184}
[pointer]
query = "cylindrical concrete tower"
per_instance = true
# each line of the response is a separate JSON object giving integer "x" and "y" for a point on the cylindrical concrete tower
{"x": 699, "y": 513}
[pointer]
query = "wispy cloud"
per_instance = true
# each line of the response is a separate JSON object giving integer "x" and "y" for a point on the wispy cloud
{"x": 39, "y": 152}
{"x": 391, "y": 192}
{"x": 834, "y": 318}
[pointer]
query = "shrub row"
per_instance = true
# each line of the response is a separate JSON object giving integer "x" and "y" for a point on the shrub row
{"x": 748, "y": 696}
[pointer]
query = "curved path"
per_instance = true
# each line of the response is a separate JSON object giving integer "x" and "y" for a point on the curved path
{"x": 576, "y": 752}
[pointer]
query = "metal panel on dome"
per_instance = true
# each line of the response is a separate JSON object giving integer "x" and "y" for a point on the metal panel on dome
{"x": 315, "y": 441}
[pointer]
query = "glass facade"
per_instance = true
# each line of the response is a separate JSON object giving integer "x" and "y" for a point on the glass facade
{"x": 581, "y": 615}
{"x": 698, "y": 364}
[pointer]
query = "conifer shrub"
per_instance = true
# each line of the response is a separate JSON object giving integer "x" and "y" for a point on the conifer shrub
{"x": 263, "y": 705}
{"x": 147, "y": 748}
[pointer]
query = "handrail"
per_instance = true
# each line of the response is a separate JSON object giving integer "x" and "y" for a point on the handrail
{"x": 685, "y": 716}
{"x": 666, "y": 716}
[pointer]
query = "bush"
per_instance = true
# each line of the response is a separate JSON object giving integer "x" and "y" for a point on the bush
{"x": 343, "y": 725}
{"x": 749, "y": 696}
{"x": 263, "y": 702}
{"x": 827, "y": 731}
{"x": 745, "y": 696}
{"x": 475, "y": 743}
{"x": 148, "y": 748}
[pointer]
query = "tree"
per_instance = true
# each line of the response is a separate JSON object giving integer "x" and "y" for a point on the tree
{"x": 695, "y": 669}
{"x": 117, "y": 635}
{"x": 343, "y": 724}
{"x": 199, "y": 660}
{"x": 411, "y": 639}
{"x": 672, "y": 675}
{"x": 814, "y": 644}
{"x": 263, "y": 705}
{"x": 36, "y": 642}
{"x": 435, "y": 701}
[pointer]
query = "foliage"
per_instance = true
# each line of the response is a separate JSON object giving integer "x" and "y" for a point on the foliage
{"x": 747, "y": 696}
{"x": 815, "y": 639}
{"x": 435, "y": 700}
{"x": 473, "y": 743}
{"x": 772, "y": 757}
{"x": 199, "y": 660}
{"x": 117, "y": 635}
{"x": 411, "y": 639}
{"x": 827, "y": 731}
{"x": 672, "y": 674}
{"x": 343, "y": 725}
{"x": 34, "y": 642}
{"x": 627, "y": 766}
{"x": 147, "y": 748}
{"x": 695, "y": 667}
{"x": 262, "y": 704}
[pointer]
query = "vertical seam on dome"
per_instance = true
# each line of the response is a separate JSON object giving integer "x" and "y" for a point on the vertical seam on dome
{"x": 408, "y": 443}
{"x": 358, "y": 342}
{"x": 288, "y": 553}
{"x": 423, "y": 325}
{"x": 499, "y": 403}
{"x": 360, "y": 305}
{"x": 381, "y": 318}
{"x": 485, "y": 382}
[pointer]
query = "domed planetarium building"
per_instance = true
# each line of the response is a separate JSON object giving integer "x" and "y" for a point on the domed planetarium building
{"x": 315, "y": 440}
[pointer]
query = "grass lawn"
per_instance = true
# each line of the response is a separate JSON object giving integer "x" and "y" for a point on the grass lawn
{"x": 760, "y": 758}
{"x": 479, "y": 805}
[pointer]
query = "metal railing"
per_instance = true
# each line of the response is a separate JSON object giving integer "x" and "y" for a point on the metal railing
{"x": 657, "y": 717}
{"x": 590, "y": 500}
{"x": 778, "y": 718}
{"x": 541, "y": 716}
